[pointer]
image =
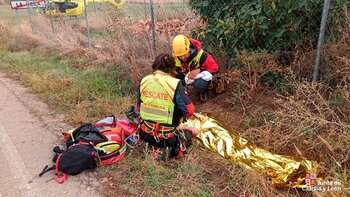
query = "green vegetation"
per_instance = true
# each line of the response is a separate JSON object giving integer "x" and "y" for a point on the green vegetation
{"x": 92, "y": 93}
{"x": 277, "y": 81}
{"x": 255, "y": 24}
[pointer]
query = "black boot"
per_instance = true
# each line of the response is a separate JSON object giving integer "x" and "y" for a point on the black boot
{"x": 203, "y": 96}
{"x": 166, "y": 154}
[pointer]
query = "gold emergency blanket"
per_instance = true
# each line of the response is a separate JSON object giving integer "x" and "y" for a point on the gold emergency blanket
{"x": 283, "y": 171}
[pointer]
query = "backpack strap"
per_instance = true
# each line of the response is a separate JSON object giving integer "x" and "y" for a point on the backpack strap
{"x": 46, "y": 169}
{"x": 59, "y": 177}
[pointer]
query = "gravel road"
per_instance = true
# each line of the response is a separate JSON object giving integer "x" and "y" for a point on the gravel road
{"x": 28, "y": 132}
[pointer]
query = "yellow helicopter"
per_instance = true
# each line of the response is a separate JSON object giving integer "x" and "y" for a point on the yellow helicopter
{"x": 116, "y": 3}
{"x": 74, "y": 8}
{"x": 64, "y": 8}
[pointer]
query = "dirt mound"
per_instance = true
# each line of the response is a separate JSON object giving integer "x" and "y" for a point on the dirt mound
{"x": 167, "y": 27}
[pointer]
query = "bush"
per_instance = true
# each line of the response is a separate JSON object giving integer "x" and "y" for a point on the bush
{"x": 263, "y": 24}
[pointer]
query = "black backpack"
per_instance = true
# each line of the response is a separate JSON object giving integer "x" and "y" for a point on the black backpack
{"x": 80, "y": 154}
{"x": 84, "y": 133}
{"x": 77, "y": 158}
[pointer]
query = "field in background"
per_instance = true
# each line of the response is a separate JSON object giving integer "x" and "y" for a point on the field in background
{"x": 9, "y": 15}
{"x": 135, "y": 10}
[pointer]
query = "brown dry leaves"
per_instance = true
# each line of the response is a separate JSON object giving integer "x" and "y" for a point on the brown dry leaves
{"x": 168, "y": 26}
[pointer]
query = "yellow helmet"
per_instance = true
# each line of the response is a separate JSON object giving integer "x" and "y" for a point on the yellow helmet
{"x": 181, "y": 45}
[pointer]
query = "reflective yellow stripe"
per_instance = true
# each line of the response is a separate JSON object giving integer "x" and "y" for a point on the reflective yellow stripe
{"x": 156, "y": 111}
{"x": 157, "y": 94}
{"x": 195, "y": 60}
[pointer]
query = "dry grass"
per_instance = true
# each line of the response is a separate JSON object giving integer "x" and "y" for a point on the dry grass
{"x": 200, "y": 174}
{"x": 308, "y": 120}
{"x": 311, "y": 120}
{"x": 85, "y": 110}
{"x": 248, "y": 81}
{"x": 307, "y": 125}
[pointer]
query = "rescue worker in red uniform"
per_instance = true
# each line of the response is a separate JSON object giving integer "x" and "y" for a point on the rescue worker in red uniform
{"x": 193, "y": 61}
{"x": 163, "y": 105}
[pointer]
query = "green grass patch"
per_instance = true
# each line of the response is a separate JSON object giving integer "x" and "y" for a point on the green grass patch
{"x": 138, "y": 11}
{"x": 338, "y": 101}
{"x": 140, "y": 173}
{"x": 9, "y": 15}
{"x": 85, "y": 94}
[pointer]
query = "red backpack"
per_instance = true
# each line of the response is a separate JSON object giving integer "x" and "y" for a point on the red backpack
{"x": 114, "y": 149}
{"x": 113, "y": 130}
{"x": 102, "y": 143}
{"x": 116, "y": 131}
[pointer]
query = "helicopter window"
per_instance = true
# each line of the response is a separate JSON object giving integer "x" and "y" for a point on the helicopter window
{"x": 62, "y": 8}
{"x": 70, "y": 5}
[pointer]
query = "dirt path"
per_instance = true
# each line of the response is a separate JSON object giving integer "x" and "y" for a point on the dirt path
{"x": 28, "y": 132}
